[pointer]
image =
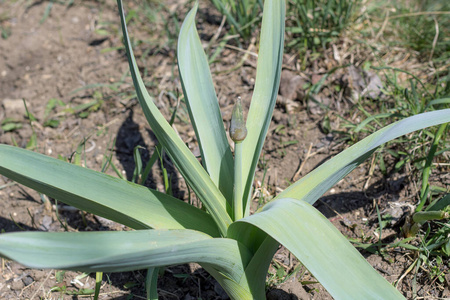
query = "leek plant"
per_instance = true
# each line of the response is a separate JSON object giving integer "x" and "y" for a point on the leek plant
{"x": 233, "y": 245}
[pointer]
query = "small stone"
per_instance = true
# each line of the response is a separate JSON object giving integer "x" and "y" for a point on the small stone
{"x": 17, "y": 285}
{"x": 14, "y": 108}
{"x": 46, "y": 222}
{"x": 373, "y": 89}
{"x": 39, "y": 274}
{"x": 27, "y": 280}
{"x": 291, "y": 85}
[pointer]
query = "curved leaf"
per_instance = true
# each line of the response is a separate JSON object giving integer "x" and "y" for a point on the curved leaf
{"x": 232, "y": 287}
{"x": 268, "y": 74}
{"x": 203, "y": 107}
{"x": 263, "y": 247}
{"x": 317, "y": 182}
{"x": 185, "y": 161}
{"x": 324, "y": 251}
{"x": 113, "y": 198}
{"x": 119, "y": 251}
{"x": 257, "y": 268}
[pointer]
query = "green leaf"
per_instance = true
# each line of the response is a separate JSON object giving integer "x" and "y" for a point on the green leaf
{"x": 113, "y": 198}
{"x": 263, "y": 248}
{"x": 256, "y": 270}
{"x": 183, "y": 158}
{"x": 268, "y": 74}
{"x": 10, "y": 125}
{"x": 317, "y": 182}
{"x": 324, "y": 251}
{"x": 224, "y": 10}
{"x": 203, "y": 107}
{"x": 151, "y": 283}
{"x": 439, "y": 204}
{"x": 120, "y": 251}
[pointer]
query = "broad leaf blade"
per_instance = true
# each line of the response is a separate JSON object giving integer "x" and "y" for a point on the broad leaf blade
{"x": 268, "y": 74}
{"x": 185, "y": 161}
{"x": 263, "y": 247}
{"x": 203, "y": 107}
{"x": 324, "y": 251}
{"x": 116, "y": 199}
{"x": 257, "y": 268}
{"x": 119, "y": 251}
{"x": 317, "y": 182}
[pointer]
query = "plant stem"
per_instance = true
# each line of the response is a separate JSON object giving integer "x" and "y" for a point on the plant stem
{"x": 238, "y": 132}
{"x": 238, "y": 190}
{"x": 98, "y": 284}
{"x": 151, "y": 282}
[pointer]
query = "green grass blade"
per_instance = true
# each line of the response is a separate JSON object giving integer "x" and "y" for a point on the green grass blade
{"x": 268, "y": 73}
{"x": 438, "y": 102}
{"x": 120, "y": 251}
{"x": 364, "y": 123}
{"x": 428, "y": 165}
{"x": 203, "y": 107}
{"x": 185, "y": 161}
{"x": 224, "y": 10}
{"x": 439, "y": 204}
{"x": 324, "y": 251}
{"x": 316, "y": 183}
{"x": 113, "y": 198}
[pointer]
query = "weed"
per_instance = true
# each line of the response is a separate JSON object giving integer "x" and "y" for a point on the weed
{"x": 315, "y": 23}
{"x": 242, "y": 16}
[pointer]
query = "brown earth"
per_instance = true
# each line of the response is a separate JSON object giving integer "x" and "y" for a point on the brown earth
{"x": 68, "y": 56}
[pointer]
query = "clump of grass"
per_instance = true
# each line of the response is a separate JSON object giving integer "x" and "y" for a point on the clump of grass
{"x": 315, "y": 23}
{"x": 422, "y": 26}
{"x": 241, "y": 16}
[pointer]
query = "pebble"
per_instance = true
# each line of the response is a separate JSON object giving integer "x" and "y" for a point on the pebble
{"x": 14, "y": 108}
{"x": 291, "y": 85}
{"x": 27, "y": 280}
{"x": 17, "y": 285}
{"x": 39, "y": 274}
{"x": 46, "y": 222}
